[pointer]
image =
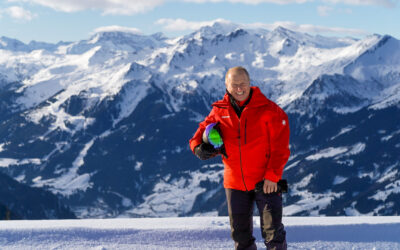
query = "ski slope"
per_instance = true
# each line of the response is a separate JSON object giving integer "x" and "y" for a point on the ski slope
{"x": 196, "y": 233}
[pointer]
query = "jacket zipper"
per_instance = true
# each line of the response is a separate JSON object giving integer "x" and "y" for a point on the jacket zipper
{"x": 240, "y": 157}
{"x": 245, "y": 131}
{"x": 269, "y": 151}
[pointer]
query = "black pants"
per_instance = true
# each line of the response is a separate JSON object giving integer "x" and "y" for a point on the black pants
{"x": 240, "y": 209}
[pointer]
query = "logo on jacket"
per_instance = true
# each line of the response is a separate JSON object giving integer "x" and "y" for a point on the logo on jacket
{"x": 226, "y": 116}
{"x": 283, "y": 122}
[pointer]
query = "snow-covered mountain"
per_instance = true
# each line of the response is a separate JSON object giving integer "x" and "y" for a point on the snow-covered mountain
{"x": 104, "y": 123}
{"x": 19, "y": 201}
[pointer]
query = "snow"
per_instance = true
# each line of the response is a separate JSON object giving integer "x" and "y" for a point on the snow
{"x": 283, "y": 62}
{"x": 176, "y": 197}
{"x": 390, "y": 172}
{"x": 140, "y": 138}
{"x": 96, "y": 72}
{"x": 136, "y": 92}
{"x": 392, "y": 188}
{"x": 346, "y": 110}
{"x": 337, "y": 152}
{"x": 364, "y": 232}
{"x": 387, "y": 97}
{"x": 6, "y": 162}
{"x": 70, "y": 182}
{"x": 128, "y": 66}
{"x": 385, "y": 138}
{"x": 356, "y": 149}
{"x": 138, "y": 165}
{"x": 339, "y": 179}
{"x": 294, "y": 164}
{"x": 309, "y": 202}
{"x": 327, "y": 153}
{"x": 344, "y": 131}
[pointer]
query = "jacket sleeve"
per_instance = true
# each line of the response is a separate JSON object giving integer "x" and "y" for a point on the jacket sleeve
{"x": 279, "y": 145}
{"x": 197, "y": 137}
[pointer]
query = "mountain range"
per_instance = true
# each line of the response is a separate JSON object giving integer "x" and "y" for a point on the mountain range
{"x": 104, "y": 123}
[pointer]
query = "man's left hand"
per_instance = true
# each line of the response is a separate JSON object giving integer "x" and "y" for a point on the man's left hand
{"x": 270, "y": 187}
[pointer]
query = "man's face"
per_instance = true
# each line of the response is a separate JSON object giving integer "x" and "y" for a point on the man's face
{"x": 238, "y": 85}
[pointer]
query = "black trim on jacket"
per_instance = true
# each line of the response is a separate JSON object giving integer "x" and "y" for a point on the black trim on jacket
{"x": 234, "y": 104}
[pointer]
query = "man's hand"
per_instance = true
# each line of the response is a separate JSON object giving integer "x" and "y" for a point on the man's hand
{"x": 270, "y": 187}
{"x": 205, "y": 151}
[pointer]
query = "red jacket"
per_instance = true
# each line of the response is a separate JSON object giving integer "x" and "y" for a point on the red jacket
{"x": 257, "y": 144}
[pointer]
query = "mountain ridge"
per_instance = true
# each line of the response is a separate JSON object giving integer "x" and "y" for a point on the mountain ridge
{"x": 104, "y": 125}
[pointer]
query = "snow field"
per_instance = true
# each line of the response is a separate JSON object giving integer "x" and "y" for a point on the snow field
{"x": 196, "y": 233}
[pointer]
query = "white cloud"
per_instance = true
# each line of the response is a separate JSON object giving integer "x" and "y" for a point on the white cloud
{"x": 324, "y": 10}
{"x": 385, "y": 3}
{"x": 130, "y": 7}
{"x": 117, "y": 28}
{"x": 330, "y": 30}
{"x": 316, "y": 29}
{"x": 183, "y": 25}
{"x": 19, "y": 13}
{"x": 250, "y": 1}
{"x": 114, "y": 7}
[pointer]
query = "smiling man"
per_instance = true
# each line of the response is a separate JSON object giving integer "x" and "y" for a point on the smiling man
{"x": 255, "y": 133}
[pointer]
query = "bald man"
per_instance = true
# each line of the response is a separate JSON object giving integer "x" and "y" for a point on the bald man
{"x": 255, "y": 133}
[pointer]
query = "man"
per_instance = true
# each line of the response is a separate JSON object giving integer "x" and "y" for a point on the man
{"x": 255, "y": 133}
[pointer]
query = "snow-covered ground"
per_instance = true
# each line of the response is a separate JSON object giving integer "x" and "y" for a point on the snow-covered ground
{"x": 197, "y": 233}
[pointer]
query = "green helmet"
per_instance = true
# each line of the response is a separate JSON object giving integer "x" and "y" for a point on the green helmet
{"x": 212, "y": 135}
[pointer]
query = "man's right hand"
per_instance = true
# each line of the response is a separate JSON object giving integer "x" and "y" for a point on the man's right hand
{"x": 269, "y": 186}
{"x": 205, "y": 151}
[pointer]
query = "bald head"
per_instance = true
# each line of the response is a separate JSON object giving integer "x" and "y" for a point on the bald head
{"x": 238, "y": 70}
{"x": 237, "y": 82}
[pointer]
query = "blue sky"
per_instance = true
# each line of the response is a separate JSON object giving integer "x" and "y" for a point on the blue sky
{"x": 73, "y": 20}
